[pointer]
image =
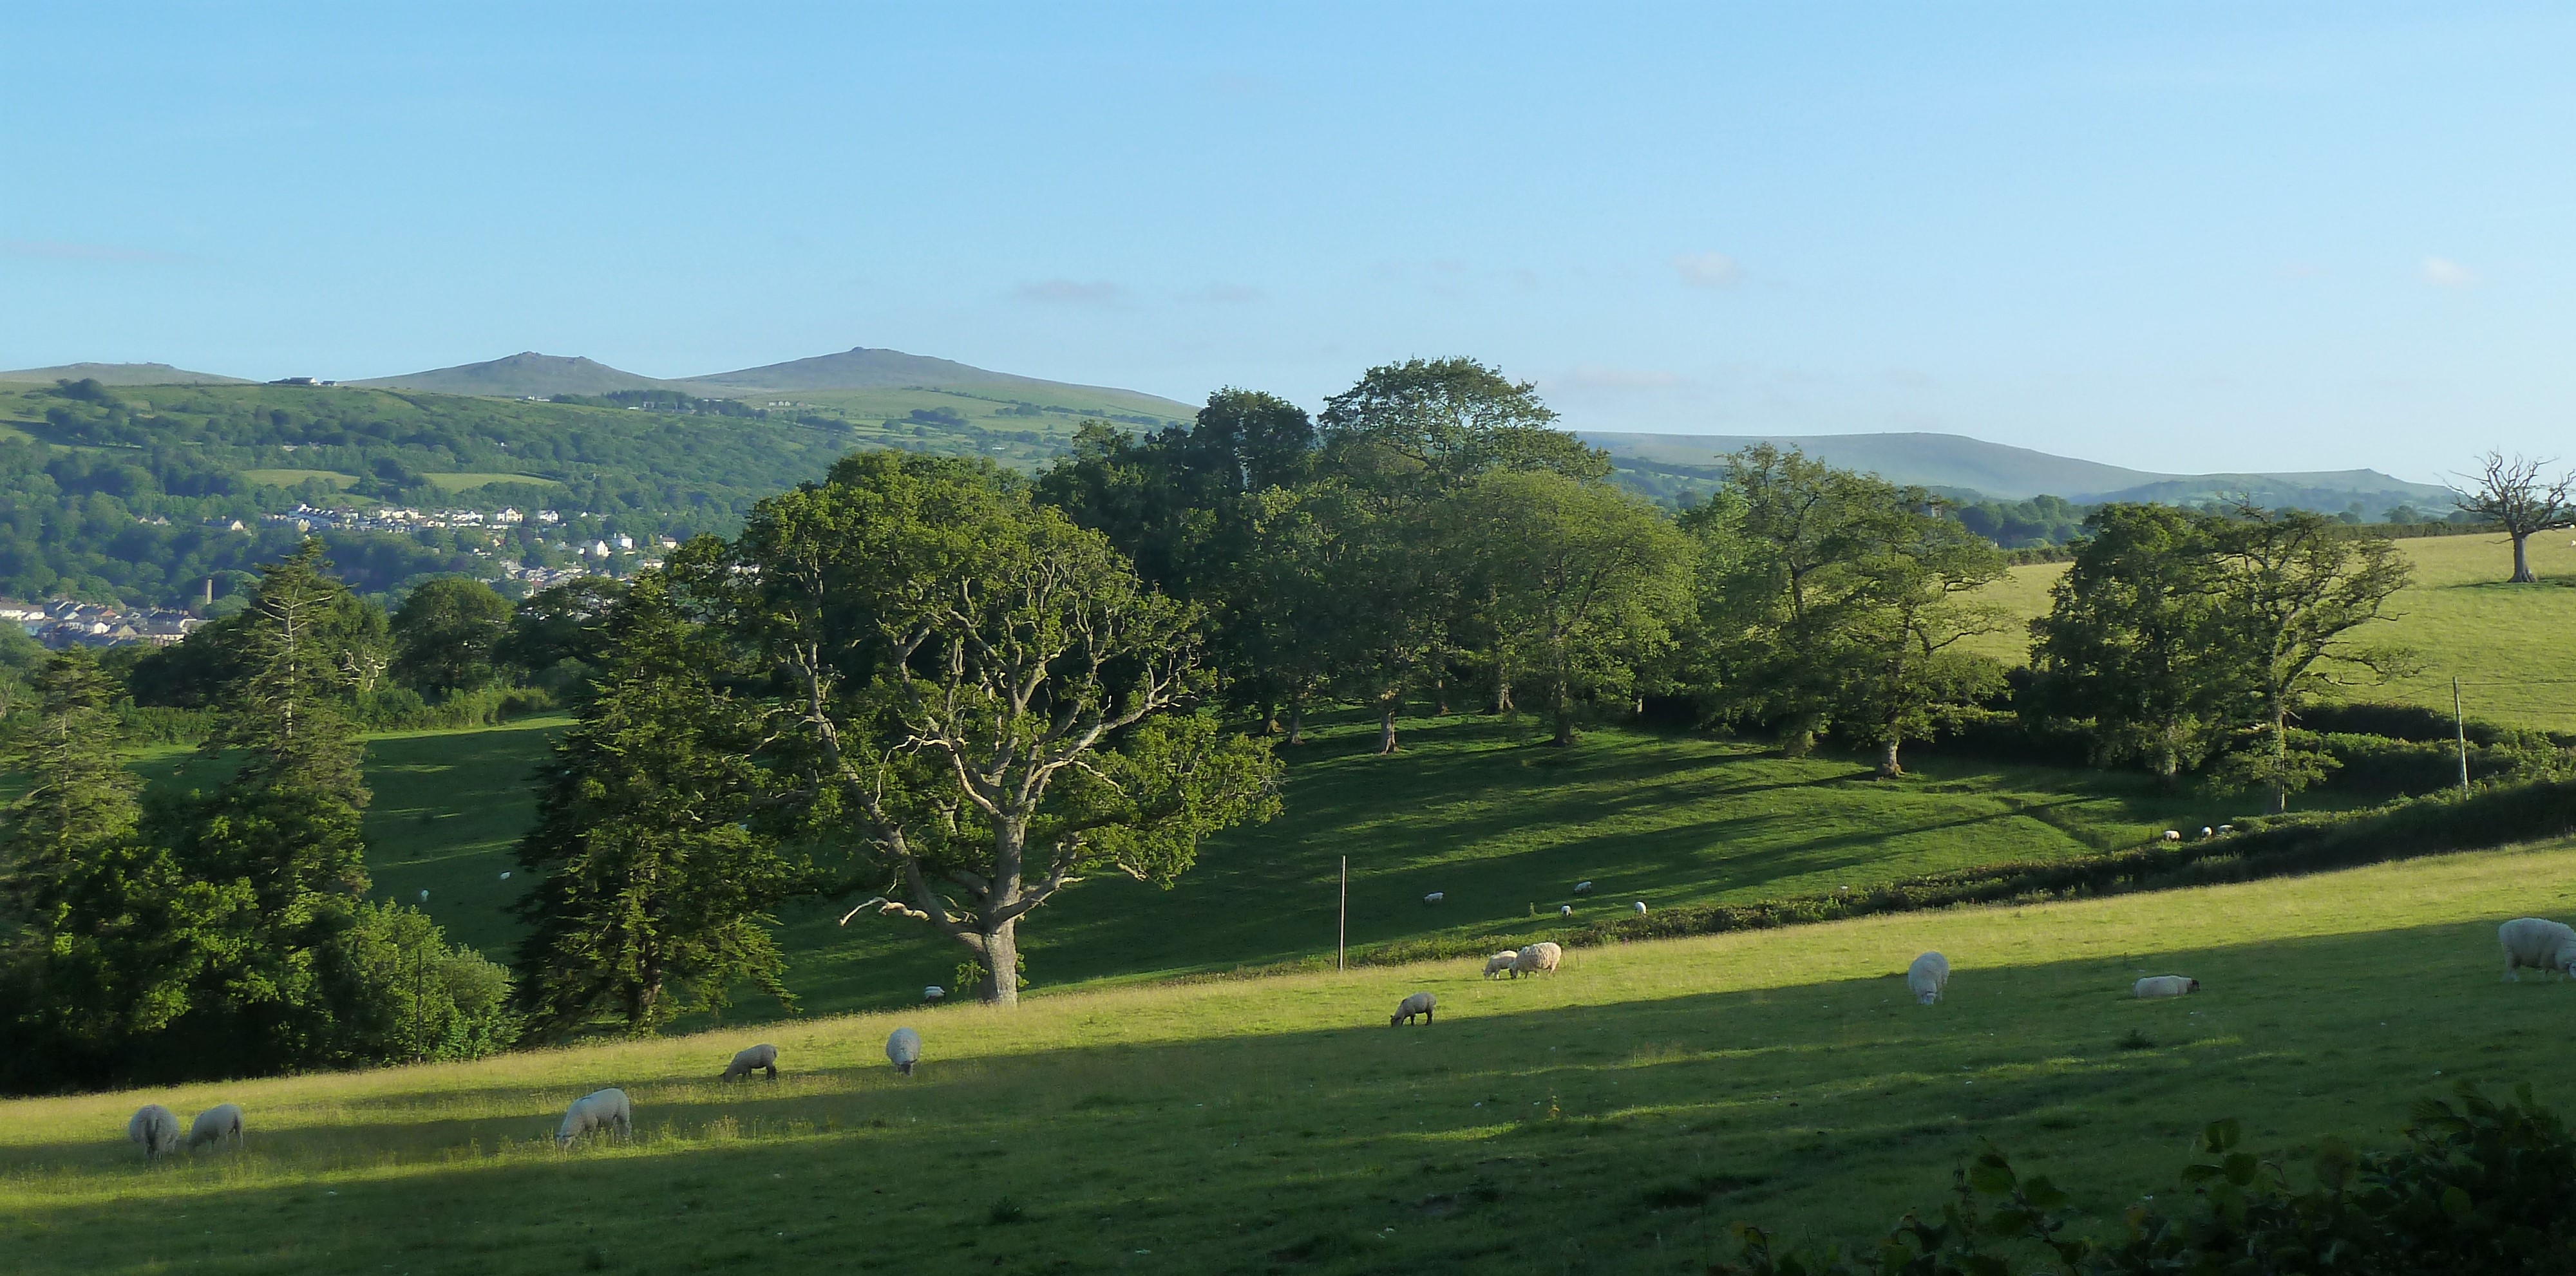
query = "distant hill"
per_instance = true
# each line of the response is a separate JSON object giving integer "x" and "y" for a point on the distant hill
{"x": 522, "y": 375}
{"x": 120, "y": 374}
{"x": 861, "y": 368}
{"x": 1957, "y": 462}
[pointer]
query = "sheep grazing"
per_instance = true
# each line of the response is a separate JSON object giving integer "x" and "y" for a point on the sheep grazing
{"x": 903, "y": 1049}
{"x": 605, "y": 1111}
{"x": 1928, "y": 978}
{"x": 156, "y": 1128}
{"x": 2538, "y": 943}
{"x": 1435, "y": 897}
{"x": 933, "y": 993}
{"x": 2173, "y": 835}
{"x": 1583, "y": 888}
{"x": 2226, "y": 828}
{"x": 1500, "y": 962}
{"x": 2206, "y": 831}
{"x": 216, "y": 1124}
{"x": 1535, "y": 958}
{"x": 1640, "y": 906}
{"x": 1565, "y": 910}
{"x": 2166, "y": 986}
{"x": 755, "y": 1059}
{"x": 1419, "y": 1003}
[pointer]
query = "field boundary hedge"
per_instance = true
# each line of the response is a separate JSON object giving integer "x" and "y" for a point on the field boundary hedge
{"x": 2281, "y": 846}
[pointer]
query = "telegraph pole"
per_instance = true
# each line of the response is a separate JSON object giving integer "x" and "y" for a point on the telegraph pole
{"x": 1342, "y": 933}
{"x": 2460, "y": 734}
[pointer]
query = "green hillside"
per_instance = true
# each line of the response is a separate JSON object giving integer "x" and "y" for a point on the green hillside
{"x": 1478, "y": 810}
{"x": 1614, "y": 1117}
{"x": 524, "y": 374}
{"x": 119, "y": 374}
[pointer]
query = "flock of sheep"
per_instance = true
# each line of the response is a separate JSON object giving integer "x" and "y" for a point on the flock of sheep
{"x": 2532, "y": 942}
{"x": 606, "y": 1113}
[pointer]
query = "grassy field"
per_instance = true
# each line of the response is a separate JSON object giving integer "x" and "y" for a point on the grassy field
{"x": 2508, "y": 644}
{"x": 463, "y": 482}
{"x": 289, "y": 478}
{"x": 1613, "y": 1117}
{"x": 1482, "y": 811}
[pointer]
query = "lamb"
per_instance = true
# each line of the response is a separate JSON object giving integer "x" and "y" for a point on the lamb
{"x": 1641, "y": 908}
{"x": 1419, "y": 1003}
{"x": 2173, "y": 835}
{"x": 215, "y": 1124}
{"x": 1435, "y": 897}
{"x": 1535, "y": 958}
{"x": 1565, "y": 910}
{"x": 156, "y": 1128}
{"x": 903, "y": 1049}
{"x": 1928, "y": 978}
{"x": 755, "y": 1059}
{"x": 1500, "y": 962}
{"x": 2206, "y": 831}
{"x": 2538, "y": 943}
{"x": 605, "y": 1111}
{"x": 933, "y": 993}
{"x": 1583, "y": 887}
{"x": 2166, "y": 986}
{"x": 2226, "y": 828}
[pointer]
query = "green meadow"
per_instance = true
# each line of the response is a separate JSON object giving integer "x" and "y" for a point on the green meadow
{"x": 1480, "y": 810}
{"x": 1613, "y": 1117}
{"x": 2509, "y": 645}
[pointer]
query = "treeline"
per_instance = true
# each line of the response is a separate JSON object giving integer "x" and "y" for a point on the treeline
{"x": 220, "y": 933}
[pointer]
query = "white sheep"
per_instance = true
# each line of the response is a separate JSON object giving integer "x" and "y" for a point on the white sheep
{"x": 903, "y": 1049}
{"x": 1640, "y": 906}
{"x": 933, "y": 993}
{"x": 1541, "y": 956}
{"x": 2226, "y": 828}
{"x": 2538, "y": 943}
{"x": 2206, "y": 831}
{"x": 758, "y": 1058}
{"x": 1928, "y": 977}
{"x": 216, "y": 1124}
{"x": 1500, "y": 962}
{"x": 2166, "y": 986}
{"x": 1565, "y": 910}
{"x": 1583, "y": 887}
{"x": 2173, "y": 835}
{"x": 605, "y": 1111}
{"x": 1419, "y": 1003}
{"x": 1435, "y": 897}
{"x": 156, "y": 1128}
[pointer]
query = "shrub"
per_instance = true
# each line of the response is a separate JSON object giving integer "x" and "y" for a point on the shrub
{"x": 2480, "y": 1188}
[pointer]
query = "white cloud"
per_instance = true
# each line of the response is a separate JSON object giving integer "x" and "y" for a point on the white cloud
{"x": 1072, "y": 292}
{"x": 1708, "y": 270}
{"x": 2442, "y": 272}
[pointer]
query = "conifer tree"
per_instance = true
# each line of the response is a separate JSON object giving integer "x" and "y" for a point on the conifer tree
{"x": 656, "y": 891}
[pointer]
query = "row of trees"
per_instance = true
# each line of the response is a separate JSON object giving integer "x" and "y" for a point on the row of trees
{"x": 222, "y": 932}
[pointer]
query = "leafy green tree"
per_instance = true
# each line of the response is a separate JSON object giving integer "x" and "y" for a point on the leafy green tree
{"x": 1838, "y": 601}
{"x": 655, "y": 893}
{"x": 558, "y": 636}
{"x": 2131, "y": 643}
{"x": 1576, "y": 584}
{"x": 2291, "y": 589}
{"x": 106, "y": 937}
{"x": 408, "y": 994}
{"x": 990, "y": 706}
{"x": 1436, "y": 423}
{"x": 443, "y": 636}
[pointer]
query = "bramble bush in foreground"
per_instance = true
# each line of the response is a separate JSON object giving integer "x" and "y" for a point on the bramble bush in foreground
{"x": 2480, "y": 1188}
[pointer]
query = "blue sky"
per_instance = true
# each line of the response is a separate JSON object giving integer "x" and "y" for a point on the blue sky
{"x": 2170, "y": 236}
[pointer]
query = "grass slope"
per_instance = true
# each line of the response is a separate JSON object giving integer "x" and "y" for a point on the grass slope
{"x": 1480, "y": 810}
{"x": 2508, "y": 644}
{"x": 1611, "y": 1118}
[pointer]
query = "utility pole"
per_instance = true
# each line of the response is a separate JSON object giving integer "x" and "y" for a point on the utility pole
{"x": 2460, "y": 734}
{"x": 1342, "y": 933}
